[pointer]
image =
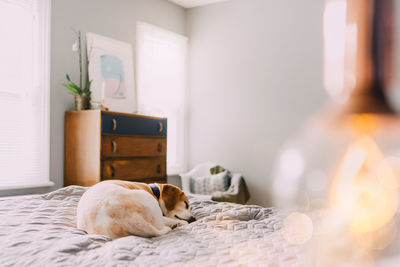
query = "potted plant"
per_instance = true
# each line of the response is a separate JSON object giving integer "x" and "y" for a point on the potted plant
{"x": 81, "y": 94}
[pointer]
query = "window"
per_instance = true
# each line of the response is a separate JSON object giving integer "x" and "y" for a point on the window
{"x": 24, "y": 93}
{"x": 161, "y": 81}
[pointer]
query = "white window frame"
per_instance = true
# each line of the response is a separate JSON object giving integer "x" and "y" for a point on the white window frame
{"x": 44, "y": 16}
{"x": 46, "y": 50}
{"x": 181, "y": 111}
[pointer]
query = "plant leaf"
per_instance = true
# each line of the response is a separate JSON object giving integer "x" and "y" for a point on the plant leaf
{"x": 72, "y": 84}
{"x": 87, "y": 88}
{"x": 72, "y": 89}
{"x": 68, "y": 79}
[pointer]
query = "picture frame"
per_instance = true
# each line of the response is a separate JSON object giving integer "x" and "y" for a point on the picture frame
{"x": 110, "y": 68}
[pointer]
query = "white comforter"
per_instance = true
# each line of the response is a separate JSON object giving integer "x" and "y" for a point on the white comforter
{"x": 41, "y": 231}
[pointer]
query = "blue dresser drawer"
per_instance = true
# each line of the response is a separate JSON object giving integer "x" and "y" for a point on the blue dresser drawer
{"x": 135, "y": 125}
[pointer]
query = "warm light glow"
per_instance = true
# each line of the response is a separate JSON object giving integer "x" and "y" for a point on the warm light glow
{"x": 363, "y": 202}
{"x": 364, "y": 123}
{"x": 378, "y": 240}
{"x": 297, "y": 228}
{"x": 364, "y": 190}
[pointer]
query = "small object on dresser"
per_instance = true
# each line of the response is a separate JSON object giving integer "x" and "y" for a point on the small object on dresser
{"x": 82, "y": 95}
{"x": 99, "y": 105}
{"x": 82, "y": 102}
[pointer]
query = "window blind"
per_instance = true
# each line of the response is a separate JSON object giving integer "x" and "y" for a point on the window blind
{"x": 24, "y": 93}
{"x": 161, "y": 81}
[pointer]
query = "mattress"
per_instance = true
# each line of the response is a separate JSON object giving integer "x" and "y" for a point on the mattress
{"x": 41, "y": 231}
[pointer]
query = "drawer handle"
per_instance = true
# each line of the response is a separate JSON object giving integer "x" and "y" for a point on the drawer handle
{"x": 114, "y": 146}
{"x": 158, "y": 168}
{"x": 160, "y": 127}
{"x": 112, "y": 171}
{"x": 114, "y": 123}
{"x": 159, "y": 148}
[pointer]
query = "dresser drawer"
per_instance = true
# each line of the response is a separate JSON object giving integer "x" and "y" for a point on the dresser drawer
{"x": 137, "y": 168}
{"x": 118, "y": 124}
{"x": 133, "y": 146}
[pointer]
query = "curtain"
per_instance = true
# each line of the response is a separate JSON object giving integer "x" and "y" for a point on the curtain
{"x": 24, "y": 93}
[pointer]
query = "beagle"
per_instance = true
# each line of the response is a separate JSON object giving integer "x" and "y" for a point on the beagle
{"x": 120, "y": 208}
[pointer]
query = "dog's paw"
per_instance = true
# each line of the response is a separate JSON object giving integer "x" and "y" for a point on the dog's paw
{"x": 182, "y": 223}
{"x": 179, "y": 223}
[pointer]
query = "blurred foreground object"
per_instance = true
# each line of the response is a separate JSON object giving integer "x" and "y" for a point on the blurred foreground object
{"x": 346, "y": 158}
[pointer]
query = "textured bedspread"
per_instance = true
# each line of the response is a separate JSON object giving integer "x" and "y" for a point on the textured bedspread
{"x": 41, "y": 231}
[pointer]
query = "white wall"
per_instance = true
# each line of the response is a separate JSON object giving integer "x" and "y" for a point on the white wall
{"x": 113, "y": 18}
{"x": 255, "y": 75}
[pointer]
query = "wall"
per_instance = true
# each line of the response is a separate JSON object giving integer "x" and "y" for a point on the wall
{"x": 255, "y": 75}
{"x": 116, "y": 19}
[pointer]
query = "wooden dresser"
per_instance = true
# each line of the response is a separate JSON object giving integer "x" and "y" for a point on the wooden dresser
{"x": 102, "y": 145}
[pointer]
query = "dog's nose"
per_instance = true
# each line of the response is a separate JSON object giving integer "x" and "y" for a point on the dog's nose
{"x": 191, "y": 219}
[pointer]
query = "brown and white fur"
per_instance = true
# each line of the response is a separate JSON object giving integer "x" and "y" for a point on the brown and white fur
{"x": 120, "y": 208}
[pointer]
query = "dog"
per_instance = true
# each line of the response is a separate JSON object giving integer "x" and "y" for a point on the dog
{"x": 120, "y": 208}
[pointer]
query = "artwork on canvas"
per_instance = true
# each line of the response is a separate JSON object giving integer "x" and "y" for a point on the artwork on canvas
{"x": 111, "y": 70}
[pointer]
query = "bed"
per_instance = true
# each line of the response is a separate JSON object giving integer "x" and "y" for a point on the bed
{"x": 41, "y": 231}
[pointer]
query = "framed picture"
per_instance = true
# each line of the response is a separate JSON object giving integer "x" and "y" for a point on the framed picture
{"x": 111, "y": 72}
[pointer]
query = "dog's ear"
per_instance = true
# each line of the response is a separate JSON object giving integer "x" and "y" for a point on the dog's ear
{"x": 170, "y": 195}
